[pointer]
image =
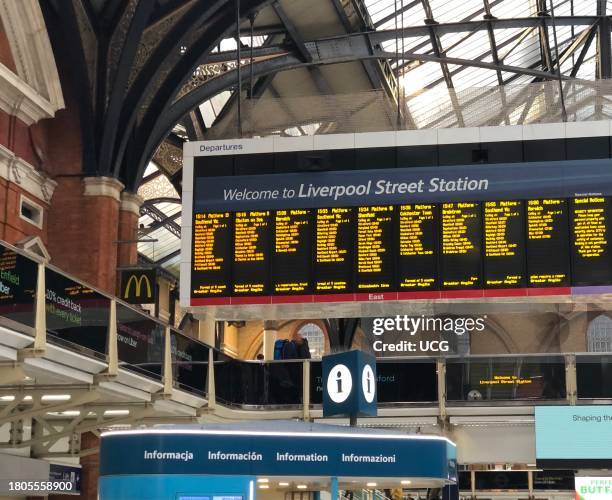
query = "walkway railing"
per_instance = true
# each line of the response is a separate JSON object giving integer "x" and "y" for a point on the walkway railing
{"x": 39, "y": 300}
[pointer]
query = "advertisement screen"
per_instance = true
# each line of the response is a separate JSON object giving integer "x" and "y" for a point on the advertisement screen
{"x": 573, "y": 436}
{"x": 77, "y": 315}
{"x": 17, "y": 286}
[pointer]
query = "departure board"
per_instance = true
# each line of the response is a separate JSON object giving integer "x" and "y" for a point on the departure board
{"x": 291, "y": 264}
{"x": 212, "y": 238}
{"x": 460, "y": 259}
{"x": 547, "y": 242}
{"x": 335, "y": 237}
{"x": 251, "y": 252}
{"x": 504, "y": 241}
{"x": 494, "y": 244}
{"x": 418, "y": 247}
{"x": 590, "y": 226}
{"x": 375, "y": 245}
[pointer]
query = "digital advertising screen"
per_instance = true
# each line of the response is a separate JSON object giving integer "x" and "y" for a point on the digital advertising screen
{"x": 573, "y": 436}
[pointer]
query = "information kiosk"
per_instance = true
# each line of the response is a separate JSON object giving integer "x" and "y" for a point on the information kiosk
{"x": 240, "y": 461}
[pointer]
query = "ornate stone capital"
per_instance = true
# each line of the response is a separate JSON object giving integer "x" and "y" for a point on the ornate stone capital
{"x": 131, "y": 202}
{"x": 103, "y": 186}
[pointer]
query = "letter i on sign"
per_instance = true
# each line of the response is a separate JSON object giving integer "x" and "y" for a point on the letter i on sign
{"x": 339, "y": 381}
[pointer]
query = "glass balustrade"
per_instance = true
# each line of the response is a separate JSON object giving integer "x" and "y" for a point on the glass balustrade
{"x": 77, "y": 318}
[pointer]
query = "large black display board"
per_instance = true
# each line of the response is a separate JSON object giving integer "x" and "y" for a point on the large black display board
{"x": 403, "y": 248}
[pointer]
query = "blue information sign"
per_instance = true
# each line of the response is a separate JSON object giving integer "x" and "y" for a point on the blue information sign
{"x": 349, "y": 384}
{"x": 301, "y": 450}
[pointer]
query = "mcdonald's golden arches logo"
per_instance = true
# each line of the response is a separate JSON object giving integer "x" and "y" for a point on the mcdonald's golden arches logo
{"x": 138, "y": 286}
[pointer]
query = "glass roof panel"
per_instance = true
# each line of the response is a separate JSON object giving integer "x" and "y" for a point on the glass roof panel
{"x": 412, "y": 16}
{"x": 446, "y": 12}
{"x": 508, "y": 9}
{"x": 428, "y": 99}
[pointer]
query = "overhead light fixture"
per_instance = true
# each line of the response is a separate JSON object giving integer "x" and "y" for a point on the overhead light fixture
{"x": 264, "y": 486}
{"x": 371, "y": 485}
{"x": 301, "y": 486}
{"x": 263, "y": 480}
{"x": 283, "y": 484}
{"x": 56, "y": 397}
{"x": 406, "y": 481}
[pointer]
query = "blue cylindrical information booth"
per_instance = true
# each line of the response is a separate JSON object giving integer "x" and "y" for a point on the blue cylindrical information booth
{"x": 229, "y": 462}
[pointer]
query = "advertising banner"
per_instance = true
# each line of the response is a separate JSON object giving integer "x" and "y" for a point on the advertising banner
{"x": 593, "y": 488}
{"x": 410, "y": 185}
{"x": 76, "y": 313}
{"x": 139, "y": 341}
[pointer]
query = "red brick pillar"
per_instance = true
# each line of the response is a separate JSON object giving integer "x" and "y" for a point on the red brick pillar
{"x": 129, "y": 213}
{"x": 90, "y": 471}
{"x": 91, "y": 467}
{"x": 84, "y": 228}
